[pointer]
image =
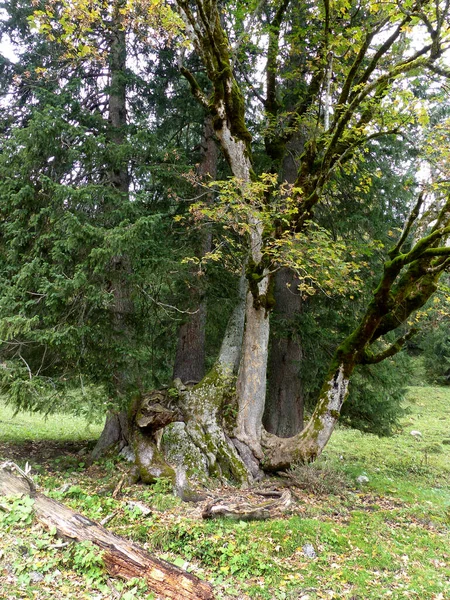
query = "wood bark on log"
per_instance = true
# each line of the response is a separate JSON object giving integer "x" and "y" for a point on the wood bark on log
{"x": 121, "y": 558}
{"x": 240, "y": 509}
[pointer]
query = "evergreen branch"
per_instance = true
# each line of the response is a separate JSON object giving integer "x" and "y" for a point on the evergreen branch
{"x": 30, "y": 373}
{"x": 165, "y": 306}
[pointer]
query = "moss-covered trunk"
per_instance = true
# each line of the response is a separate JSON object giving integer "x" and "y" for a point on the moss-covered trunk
{"x": 281, "y": 453}
{"x": 251, "y": 382}
{"x": 192, "y": 440}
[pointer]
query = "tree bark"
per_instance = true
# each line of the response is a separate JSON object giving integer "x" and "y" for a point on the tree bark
{"x": 306, "y": 446}
{"x": 120, "y": 179}
{"x": 116, "y": 433}
{"x": 121, "y": 558}
{"x": 283, "y": 414}
{"x": 189, "y": 363}
{"x": 197, "y": 445}
{"x": 117, "y": 109}
{"x": 230, "y": 350}
{"x": 251, "y": 382}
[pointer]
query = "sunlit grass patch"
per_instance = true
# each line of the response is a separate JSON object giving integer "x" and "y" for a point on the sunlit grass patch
{"x": 418, "y": 452}
{"x": 25, "y": 426}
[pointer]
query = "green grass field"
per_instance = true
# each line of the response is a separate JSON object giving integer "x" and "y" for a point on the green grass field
{"x": 25, "y": 427}
{"x": 388, "y": 537}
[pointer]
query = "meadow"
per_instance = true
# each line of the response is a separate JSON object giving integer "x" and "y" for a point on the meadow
{"x": 369, "y": 520}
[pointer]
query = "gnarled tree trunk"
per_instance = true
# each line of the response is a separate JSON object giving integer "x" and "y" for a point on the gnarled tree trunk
{"x": 195, "y": 443}
{"x": 410, "y": 275}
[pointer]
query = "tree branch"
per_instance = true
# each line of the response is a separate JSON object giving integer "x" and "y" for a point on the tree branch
{"x": 440, "y": 267}
{"x": 357, "y": 63}
{"x": 408, "y": 225}
{"x": 195, "y": 87}
{"x": 371, "y": 359}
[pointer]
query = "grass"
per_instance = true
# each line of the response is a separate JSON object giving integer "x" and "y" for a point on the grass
{"x": 387, "y": 537}
{"x": 25, "y": 427}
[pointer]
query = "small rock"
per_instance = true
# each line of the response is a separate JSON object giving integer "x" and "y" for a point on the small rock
{"x": 36, "y": 577}
{"x": 362, "y": 479}
{"x": 416, "y": 434}
{"x": 145, "y": 510}
{"x": 309, "y": 551}
{"x": 127, "y": 453}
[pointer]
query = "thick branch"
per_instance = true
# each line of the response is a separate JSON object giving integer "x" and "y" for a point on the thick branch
{"x": 357, "y": 63}
{"x": 441, "y": 251}
{"x": 370, "y": 359}
{"x": 382, "y": 51}
{"x": 195, "y": 87}
{"x": 423, "y": 247}
{"x": 408, "y": 225}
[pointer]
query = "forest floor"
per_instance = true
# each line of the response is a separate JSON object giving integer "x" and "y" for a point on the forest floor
{"x": 384, "y": 536}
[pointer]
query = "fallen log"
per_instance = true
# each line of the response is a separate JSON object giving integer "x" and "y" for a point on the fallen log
{"x": 121, "y": 558}
{"x": 240, "y": 508}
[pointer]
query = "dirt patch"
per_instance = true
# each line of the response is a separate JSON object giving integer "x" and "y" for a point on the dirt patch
{"x": 40, "y": 452}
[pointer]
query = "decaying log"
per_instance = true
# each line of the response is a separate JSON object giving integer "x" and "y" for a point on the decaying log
{"x": 241, "y": 509}
{"x": 121, "y": 558}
